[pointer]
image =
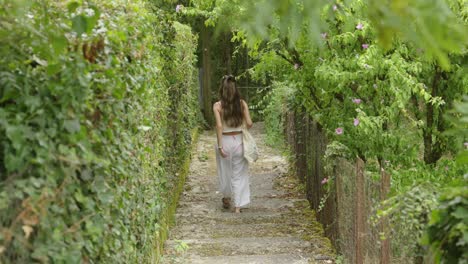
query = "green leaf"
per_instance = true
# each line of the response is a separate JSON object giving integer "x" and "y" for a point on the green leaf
{"x": 79, "y": 24}
{"x": 59, "y": 43}
{"x": 4, "y": 202}
{"x": 461, "y": 213}
{"x": 93, "y": 20}
{"x": 13, "y": 162}
{"x": 85, "y": 174}
{"x": 105, "y": 197}
{"x": 84, "y": 24}
{"x": 462, "y": 158}
{"x": 53, "y": 69}
{"x": 72, "y": 126}
{"x": 72, "y": 6}
{"x": 16, "y": 135}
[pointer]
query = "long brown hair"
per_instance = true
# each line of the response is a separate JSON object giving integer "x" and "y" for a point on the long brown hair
{"x": 230, "y": 101}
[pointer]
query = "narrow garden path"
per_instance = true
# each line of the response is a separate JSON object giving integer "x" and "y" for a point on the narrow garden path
{"x": 277, "y": 227}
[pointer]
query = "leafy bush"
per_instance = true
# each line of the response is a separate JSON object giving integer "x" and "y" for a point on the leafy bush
{"x": 87, "y": 111}
{"x": 276, "y": 104}
{"x": 447, "y": 233}
{"x": 409, "y": 214}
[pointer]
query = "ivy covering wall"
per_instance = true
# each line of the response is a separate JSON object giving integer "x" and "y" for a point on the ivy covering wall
{"x": 92, "y": 98}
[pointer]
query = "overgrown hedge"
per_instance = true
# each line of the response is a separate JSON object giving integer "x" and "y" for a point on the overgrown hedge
{"x": 92, "y": 95}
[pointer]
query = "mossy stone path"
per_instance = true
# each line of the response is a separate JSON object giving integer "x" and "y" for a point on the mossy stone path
{"x": 277, "y": 227}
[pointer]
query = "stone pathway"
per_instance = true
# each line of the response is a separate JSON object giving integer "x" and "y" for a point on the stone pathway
{"x": 277, "y": 227}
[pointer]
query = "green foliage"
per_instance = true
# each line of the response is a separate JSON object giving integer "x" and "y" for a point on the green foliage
{"x": 409, "y": 214}
{"x": 431, "y": 25}
{"x": 391, "y": 97}
{"x": 88, "y": 103}
{"x": 459, "y": 118}
{"x": 445, "y": 173}
{"x": 275, "y": 106}
{"x": 447, "y": 233}
{"x": 215, "y": 11}
{"x": 386, "y": 106}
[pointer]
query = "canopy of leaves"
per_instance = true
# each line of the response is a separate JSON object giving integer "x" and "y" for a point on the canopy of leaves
{"x": 429, "y": 25}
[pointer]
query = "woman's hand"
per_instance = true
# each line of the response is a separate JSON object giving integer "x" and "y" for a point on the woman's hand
{"x": 222, "y": 153}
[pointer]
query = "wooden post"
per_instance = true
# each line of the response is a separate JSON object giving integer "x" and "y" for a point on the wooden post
{"x": 360, "y": 211}
{"x": 385, "y": 246}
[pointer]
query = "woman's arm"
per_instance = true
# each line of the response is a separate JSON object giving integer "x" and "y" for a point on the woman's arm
{"x": 246, "y": 113}
{"x": 219, "y": 128}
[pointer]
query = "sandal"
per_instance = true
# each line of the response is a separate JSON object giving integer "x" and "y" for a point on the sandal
{"x": 226, "y": 203}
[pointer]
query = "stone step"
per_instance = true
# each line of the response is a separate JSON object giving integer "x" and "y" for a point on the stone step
{"x": 215, "y": 205}
{"x": 202, "y": 197}
{"x": 255, "y": 191}
{"x": 217, "y": 230}
{"x": 256, "y": 259}
{"x": 221, "y": 213}
{"x": 246, "y": 217}
{"x": 242, "y": 246}
{"x": 261, "y": 181}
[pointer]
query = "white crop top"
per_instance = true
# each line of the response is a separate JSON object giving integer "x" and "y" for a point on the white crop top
{"x": 227, "y": 128}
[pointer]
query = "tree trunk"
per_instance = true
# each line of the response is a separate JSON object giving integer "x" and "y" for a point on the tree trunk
{"x": 228, "y": 53}
{"x": 206, "y": 79}
{"x": 432, "y": 151}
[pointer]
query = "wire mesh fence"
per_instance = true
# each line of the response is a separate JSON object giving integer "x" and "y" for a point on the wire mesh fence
{"x": 339, "y": 190}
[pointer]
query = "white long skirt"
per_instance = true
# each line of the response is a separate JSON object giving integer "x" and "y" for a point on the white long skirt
{"x": 233, "y": 171}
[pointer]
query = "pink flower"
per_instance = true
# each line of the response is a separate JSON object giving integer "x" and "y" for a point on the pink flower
{"x": 359, "y": 26}
{"x": 178, "y": 8}
{"x": 365, "y": 46}
{"x": 296, "y": 66}
{"x": 356, "y": 122}
{"x": 325, "y": 180}
{"x": 324, "y": 35}
{"x": 465, "y": 144}
{"x": 339, "y": 131}
{"x": 357, "y": 101}
{"x": 335, "y": 7}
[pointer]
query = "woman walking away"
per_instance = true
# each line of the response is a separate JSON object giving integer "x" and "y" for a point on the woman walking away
{"x": 231, "y": 113}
